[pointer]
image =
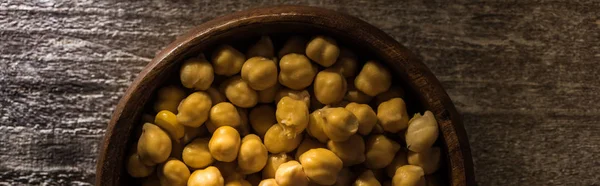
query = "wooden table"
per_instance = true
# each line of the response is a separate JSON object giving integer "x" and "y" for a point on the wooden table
{"x": 524, "y": 75}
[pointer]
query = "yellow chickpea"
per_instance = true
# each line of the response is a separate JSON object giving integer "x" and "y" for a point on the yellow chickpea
{"x": 167, "y": 121}
{"x": 329, "y": 86}
{"x": 227, "y": 61}
{"x": 276, "y": 141}
{"x": 136, "y": 168}
{"x": 373, "y": 79}
{"x": 321, "y": 166}
{"x": 273, "y": 162}
{"x": 224, "y": 144}
{"x": 173, "y": 172}
{"x": 206, "y": 177}
{"x": 224, "y": 114}
{"x": 291, "y": 173}
{"x": 307, "y": 144}
{"x": 392, "y": 115}
{"x": 295, "y": 44}
{"x": 239, "y": 93}
{"x": 262, "y": 48}
{"x": 380, "y": 151}
{"x": 253, "y": 155}
{"x": 196, "y": 154}
{"x": 296, "y": 71}
{"x": 268, "y": 182}
{"x": 216, "y": 96}
{"x": 154, "y": 145}
{"x": 262, "y": 117}
{"x": 400, "y": 159}
{"x": 340, "y": 124}
{"x": 347, "y": 63}
{"x": 168, "y": 98}
{"x": 292, "y": 115}
{"x": 260, "y": 73}
{"x": 301, "y": 95}
{"x": 237, "y": 182}
{"x": 367, "y": 178}
{"x": 422, "y": 132}
{"x": 355, "y": 95}
{"x": 316, "y": 123}
{"x": 193, "y": 110}
{"x": 268, "y": 95}
{"x": 428, "y": 159}
{"x": 323, "y": 50}
{"x": 409, "y": 175}
{"x": 351, "y": 151}
{"x": 367, "y": 118}
{"x": 196, "y": 73}
{"x": 393, "y": 92}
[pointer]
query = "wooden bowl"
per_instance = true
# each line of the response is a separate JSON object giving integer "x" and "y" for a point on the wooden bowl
{"x": 424, "y": 91}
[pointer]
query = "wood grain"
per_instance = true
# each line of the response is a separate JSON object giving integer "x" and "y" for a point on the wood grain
{"x": 522, "y": 73}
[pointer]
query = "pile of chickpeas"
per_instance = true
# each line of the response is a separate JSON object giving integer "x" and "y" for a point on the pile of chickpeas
{"x": 310, "y": 114}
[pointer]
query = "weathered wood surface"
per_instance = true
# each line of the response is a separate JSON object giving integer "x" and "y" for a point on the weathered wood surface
{"x": 523, "y": 73}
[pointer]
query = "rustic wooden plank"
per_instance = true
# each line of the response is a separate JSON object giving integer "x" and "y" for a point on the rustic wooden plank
{"x": 523, "y": 73}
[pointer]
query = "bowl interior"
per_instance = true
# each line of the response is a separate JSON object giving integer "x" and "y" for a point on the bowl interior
{"x": 422, "y": 89}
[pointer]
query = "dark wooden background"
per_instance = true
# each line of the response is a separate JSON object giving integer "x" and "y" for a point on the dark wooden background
{"x": 523, "y": 73}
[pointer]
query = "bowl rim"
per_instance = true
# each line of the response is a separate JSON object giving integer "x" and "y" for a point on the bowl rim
{"x": 430, "y": 91}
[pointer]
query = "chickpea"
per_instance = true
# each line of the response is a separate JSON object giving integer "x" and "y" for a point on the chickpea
{"x": 295, "y": 44}
{"x": 216, "y": 96}
{"x": 296, "y": 71}
{"x": 254, "y": 179}
{"x": 206, "y": 177}
{"x": 393, "y": 92}
{"x": 237, "y": 182}
{"x": 276, "y": 141}
{"x": 307, "y": 144}
{"x": 291, "y": 173}
{"x": 340, "y": 124}
{"x": 355, "y": 95}
{"x": 268, "y": 182}
{"x": 167, "y": 121}
{"x": 380, "y": 151}
{"x": 136, "y": 168}
{"x": 262, "y": 117}
{"x": 268, "y": 95}
{"x": 273, "y": 162}
{"x": 301, "y": 95}
{"x": 323, "y": 50}
{"x": 321, "y": 166}
{"x": 373, "y": 79}
{"x": 224, "y": 114}
{"x": 392, "y": 115}
{"x": 344, "y": 178}
{"x": 240, "y": 93}
{"x": 190, "y": 133}
{"x": 227, "y": 61}
{"x": 367, "y": 118}
{"x": 196, "y": 154}
{"x": 168, "y": 98}
{"x": 422, "y": 132}
{"x": 173, "y": 172}
{"x": 154, "y": 145}
{"x": 399, "y": 160}
{"x": 409, "y": 175}
{"x": 196, "y": 73}
{"x": 367, "y": 178}
{"x": 329, "y": 86}
{"x": 316, "y": 123}
{"x": 292, "y": 115}
{"x": 347, "y": 63}
{"x": 428, "y": 159}
{"x": 260, "y": 73}
{"x": 253, "y": 154}
{"x": 262, "y": 48}
{"x": 193, "y": 110}
{"x": 351, "y": 151}
{"x": 224, "y": 144}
